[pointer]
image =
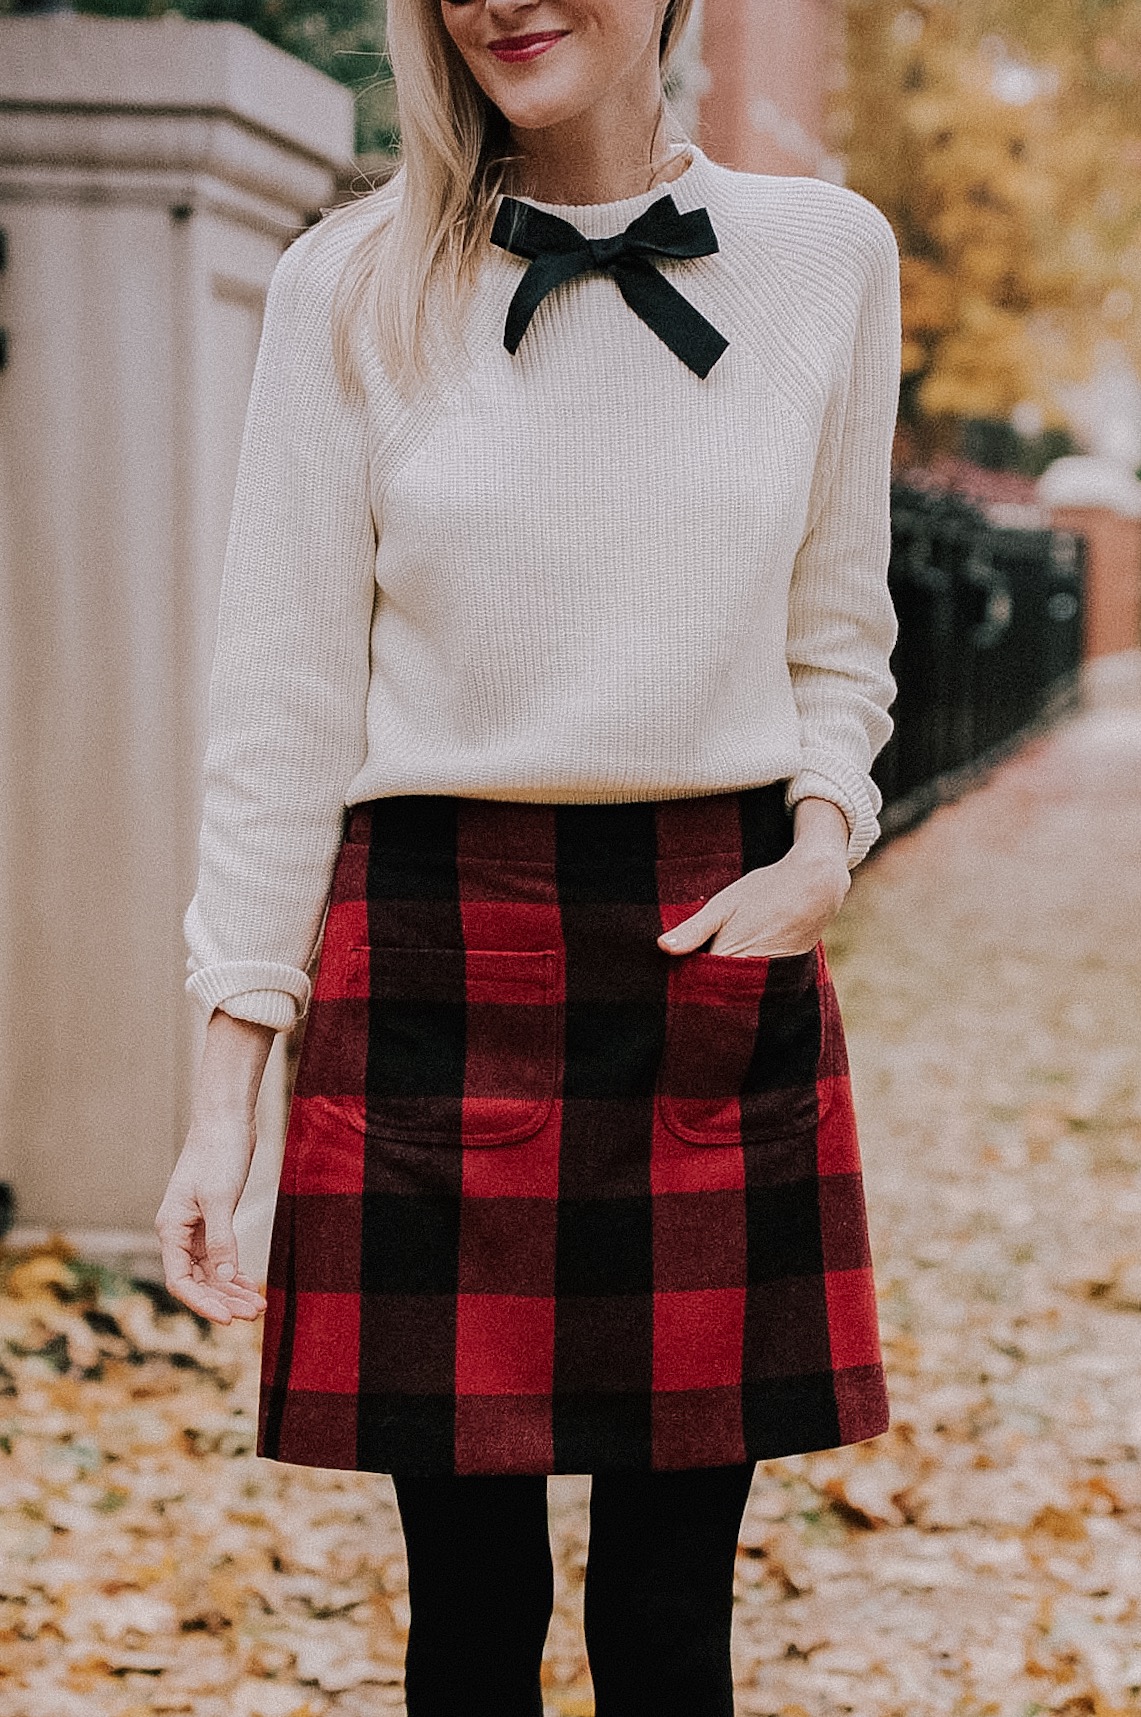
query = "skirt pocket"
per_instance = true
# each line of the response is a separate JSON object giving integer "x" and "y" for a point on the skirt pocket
{"x": 746, "y": 1040}
{"x": 463, "y": 1044}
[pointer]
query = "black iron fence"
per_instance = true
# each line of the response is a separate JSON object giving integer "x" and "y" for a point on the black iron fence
{"x": 990, "y": 644}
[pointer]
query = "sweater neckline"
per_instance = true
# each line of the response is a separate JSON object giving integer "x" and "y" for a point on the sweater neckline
{"x": 604, "y": 220}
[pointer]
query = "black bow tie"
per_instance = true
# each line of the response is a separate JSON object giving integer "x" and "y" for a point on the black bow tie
{"x": 559, "y": 252}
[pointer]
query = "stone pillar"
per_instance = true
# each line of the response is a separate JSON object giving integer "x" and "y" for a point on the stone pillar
{"x": 150, "y": 173}
{"x": 1098, "y": 497}
{"x": 1113, "y": 577}
{"x": 769, "y": 64}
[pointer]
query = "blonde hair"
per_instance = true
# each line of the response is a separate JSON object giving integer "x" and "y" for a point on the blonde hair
{"x": 454, "y": 159}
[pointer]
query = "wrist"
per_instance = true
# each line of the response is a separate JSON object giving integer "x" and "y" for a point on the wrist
{"x": 822, "y": 875}
{"x": 821, "y": 832}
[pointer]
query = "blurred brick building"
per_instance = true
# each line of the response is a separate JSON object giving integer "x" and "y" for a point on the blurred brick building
{"x": 766, "y": 67}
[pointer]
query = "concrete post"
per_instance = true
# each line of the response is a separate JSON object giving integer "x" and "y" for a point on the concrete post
{"x": 1113, "y": 577}
{"x": 1098, "y": 497}
{"x": 150, "y": 173}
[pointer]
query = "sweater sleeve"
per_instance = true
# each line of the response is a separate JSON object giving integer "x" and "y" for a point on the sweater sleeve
{"x": 290, "y": 675}
{"x": 842, "y": 624}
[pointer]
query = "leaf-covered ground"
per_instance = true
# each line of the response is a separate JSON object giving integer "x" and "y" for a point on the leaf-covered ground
{"x": 982, "y": 1557}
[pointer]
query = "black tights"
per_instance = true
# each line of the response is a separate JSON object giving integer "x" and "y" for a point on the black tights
{"x": 658, "y": 1602}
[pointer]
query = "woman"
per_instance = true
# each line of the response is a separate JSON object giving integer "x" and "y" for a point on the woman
{"x": 552, "y": 660}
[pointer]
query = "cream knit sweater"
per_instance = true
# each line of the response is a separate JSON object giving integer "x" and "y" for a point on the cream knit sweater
{"x": 576, "y": 574}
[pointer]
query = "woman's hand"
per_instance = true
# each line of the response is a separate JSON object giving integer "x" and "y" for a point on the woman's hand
{"x": 783, "y": 908}
{"x": 195, "y": 1221}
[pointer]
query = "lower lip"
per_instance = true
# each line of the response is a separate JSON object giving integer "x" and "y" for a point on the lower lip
{"x": 515, "y": 56}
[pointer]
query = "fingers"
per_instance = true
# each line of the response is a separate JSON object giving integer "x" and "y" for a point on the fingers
{"x": 240, "y": 1297}
{"x": 692, "y": 933}
{"x": 175, "y": 1246}
{"x": 221, "y": 1246}
{"x": 191, "y": 1272}
{"x": 221, "y": 1302}
{"x": 201, "y": 1298}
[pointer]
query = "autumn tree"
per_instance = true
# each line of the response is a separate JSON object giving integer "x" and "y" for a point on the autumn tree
{"x": 1003, "y": 140}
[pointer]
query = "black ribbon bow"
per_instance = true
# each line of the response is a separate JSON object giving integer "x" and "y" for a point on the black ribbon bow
{"x": 559, "y": 252}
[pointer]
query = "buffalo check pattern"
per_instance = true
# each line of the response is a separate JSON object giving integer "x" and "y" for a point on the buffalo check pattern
{"x": 553, "y": 1200}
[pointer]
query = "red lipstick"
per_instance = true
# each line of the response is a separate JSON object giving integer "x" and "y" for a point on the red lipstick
{"x": 515, "y": 49}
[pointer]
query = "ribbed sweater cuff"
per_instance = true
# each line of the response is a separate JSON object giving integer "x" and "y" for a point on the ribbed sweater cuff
{"x": 261, "y": 991}
{"x": 826, "y": 777}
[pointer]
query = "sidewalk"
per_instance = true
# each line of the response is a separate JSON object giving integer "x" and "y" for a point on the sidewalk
{"x": 984, "y": 1557}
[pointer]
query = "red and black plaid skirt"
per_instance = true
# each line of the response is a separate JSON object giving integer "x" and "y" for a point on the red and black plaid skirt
{"x": 553, "y": 1200}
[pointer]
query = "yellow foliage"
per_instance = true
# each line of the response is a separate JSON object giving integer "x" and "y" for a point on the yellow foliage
{"x": 36, "y": 1276}
{"x": 914, "y": 357}
{"x": 929, "y": 295}
{"x": 1003, "y": 140}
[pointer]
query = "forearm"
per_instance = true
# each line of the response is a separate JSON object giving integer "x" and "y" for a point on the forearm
{"x": 230, "y": 1072}
{"x": 841, "y": 624}
{"x": 289, "y": 684}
